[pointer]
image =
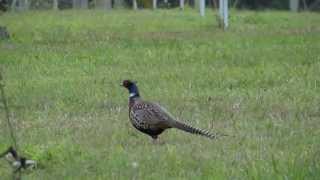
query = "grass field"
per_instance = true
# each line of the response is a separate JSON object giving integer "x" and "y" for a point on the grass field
{"x": 259, "y": 81}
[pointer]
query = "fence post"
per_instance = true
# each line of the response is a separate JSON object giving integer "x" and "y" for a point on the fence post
{"x": 154, "y": 4}
{"x": 294, "y": 5}
{"x": 202, "y": 7}
{"x": 181, "y": 4}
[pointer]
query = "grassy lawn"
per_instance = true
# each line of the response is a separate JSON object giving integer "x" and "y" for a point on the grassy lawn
{"x": 259, "y": 81}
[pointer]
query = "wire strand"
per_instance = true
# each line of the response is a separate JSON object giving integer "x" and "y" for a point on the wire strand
{"x": 16, "y": 175}
{"x": 7, "y": 113}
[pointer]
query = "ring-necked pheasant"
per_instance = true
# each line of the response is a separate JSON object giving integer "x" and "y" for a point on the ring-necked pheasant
{"x": 152, "y": 119}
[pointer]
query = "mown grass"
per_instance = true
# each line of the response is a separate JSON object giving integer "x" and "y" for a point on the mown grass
{"x": 259, "y": 81}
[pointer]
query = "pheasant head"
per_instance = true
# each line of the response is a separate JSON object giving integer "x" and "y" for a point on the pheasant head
{"x": 132, "y": 88}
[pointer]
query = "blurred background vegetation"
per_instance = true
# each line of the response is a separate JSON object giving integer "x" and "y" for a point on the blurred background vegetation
{"x": 6, "y": 5}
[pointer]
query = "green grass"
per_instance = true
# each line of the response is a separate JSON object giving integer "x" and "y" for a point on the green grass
{"x": 259, "y": 81}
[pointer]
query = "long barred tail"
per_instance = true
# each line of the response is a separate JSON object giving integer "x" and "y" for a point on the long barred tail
{"x": 193, "y": 130}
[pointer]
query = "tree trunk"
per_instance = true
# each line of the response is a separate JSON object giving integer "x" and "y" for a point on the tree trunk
{"x": 80, "y": 4}
{"x": 20, "y": 5}
{"x": 314, "y": 5}
{"x": 196, "y": 4}
{"x": 55, "y": 5}
{"x": 13, "y": 5}
{"x": 215, "y": 4}
{"x": 75, "y": 4}
{"x": 221, "y": 9}
{"x": 119, "y": 3}
{"x": 134, "y": 4}
{"x": 223, "y": 14}
{"x": 305, "y": 6}
{"x": 103, "y": 4}
{"x": 235, "y": 3}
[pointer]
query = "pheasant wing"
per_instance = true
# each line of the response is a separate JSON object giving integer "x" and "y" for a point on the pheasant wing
{"x": 152, "y": 115}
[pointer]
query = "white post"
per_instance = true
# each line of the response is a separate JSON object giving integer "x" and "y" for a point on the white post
{"x": 135, "y": 5}
{"x": 181, "y": 4}
{"x": 103, "y": 4}
{"x": 55, "y": 5}
{"x": 80, "y": 4}
{"x": 13, "y": 5}
{"x": 118, "y": 4}
{"x": 294, "y": 5}
{"x": 202, "y": 6}
{"x": 154, "y": 4}
{"x": 225, "y": 14}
